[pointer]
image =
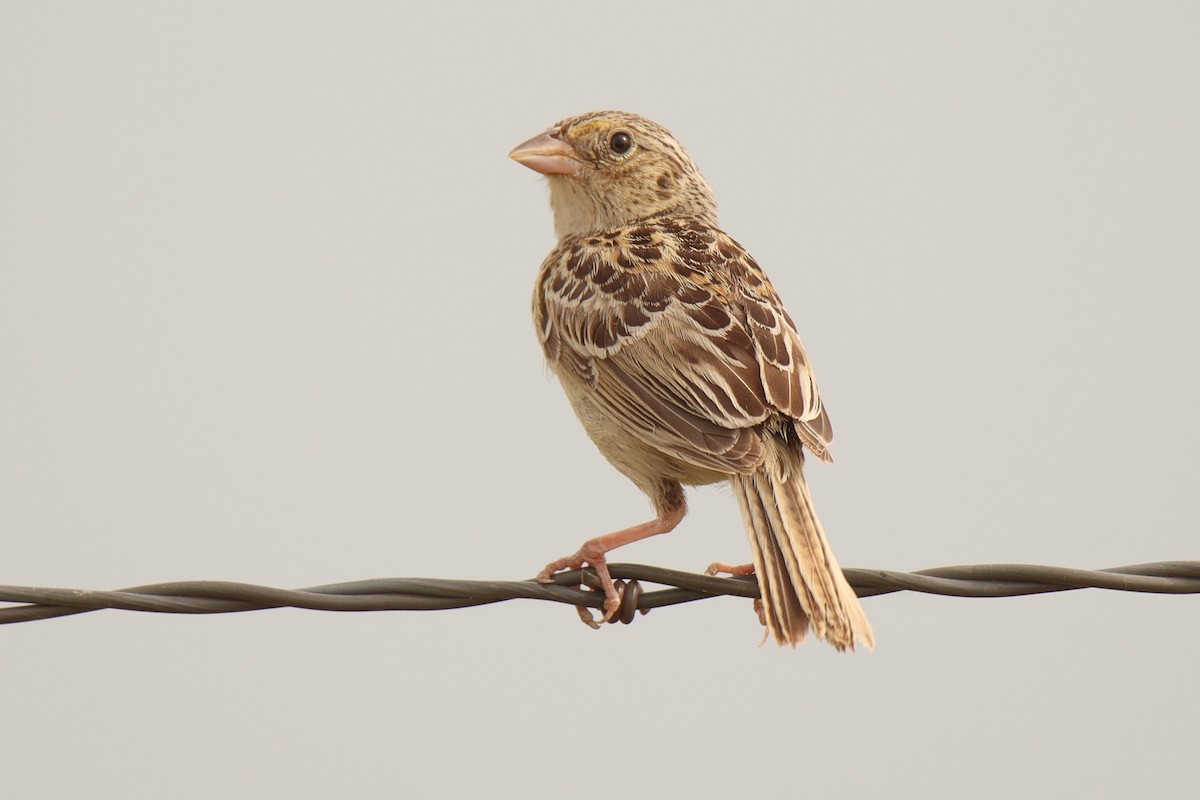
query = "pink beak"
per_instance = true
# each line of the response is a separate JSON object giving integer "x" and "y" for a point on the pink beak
{"x": 547, "y": 154}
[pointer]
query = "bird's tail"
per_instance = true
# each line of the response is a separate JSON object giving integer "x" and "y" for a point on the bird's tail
{"x": 800, "y": 581}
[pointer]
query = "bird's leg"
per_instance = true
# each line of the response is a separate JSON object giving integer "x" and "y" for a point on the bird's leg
{"x": 738, "y": 571}
{"x": 593, "y": 551}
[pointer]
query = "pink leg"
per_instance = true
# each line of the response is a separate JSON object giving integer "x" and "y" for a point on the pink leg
{"x": 737, "y": 571}
{"x": 592, "y": 553}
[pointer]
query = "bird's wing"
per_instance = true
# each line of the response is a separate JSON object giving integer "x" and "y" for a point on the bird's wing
{"x": 788, "y": 379}
{"x": 682, "y": 340}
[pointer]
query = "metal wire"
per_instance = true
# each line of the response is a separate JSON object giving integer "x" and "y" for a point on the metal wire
{"x": 427, "y": 594}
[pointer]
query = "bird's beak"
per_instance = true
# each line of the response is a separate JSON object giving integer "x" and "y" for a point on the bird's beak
{"x": 547, "y": 154}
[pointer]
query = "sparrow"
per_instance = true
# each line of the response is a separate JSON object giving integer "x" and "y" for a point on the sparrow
{"x": 681, "y": 363}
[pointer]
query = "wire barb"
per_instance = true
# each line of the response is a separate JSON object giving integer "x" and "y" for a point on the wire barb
{"x": 428, "y": 594}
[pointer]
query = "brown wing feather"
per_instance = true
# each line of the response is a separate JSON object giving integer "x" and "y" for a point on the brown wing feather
{"x": 682, "y": 339}
{"x": 788, "y": 379}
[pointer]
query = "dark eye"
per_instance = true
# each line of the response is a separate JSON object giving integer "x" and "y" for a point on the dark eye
{"x": 620, "y": 143}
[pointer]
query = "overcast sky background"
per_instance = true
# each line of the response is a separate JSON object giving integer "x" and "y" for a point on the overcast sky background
{"x": 264, "y": 286}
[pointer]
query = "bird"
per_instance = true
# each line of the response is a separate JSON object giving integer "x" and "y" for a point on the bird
{"x": 680, "y": 361}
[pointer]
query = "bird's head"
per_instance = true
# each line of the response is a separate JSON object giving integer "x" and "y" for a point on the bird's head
{"x": 610, "y": 168}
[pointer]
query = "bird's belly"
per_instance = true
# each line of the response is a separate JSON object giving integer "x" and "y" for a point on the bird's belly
{"x": 641, "y": 462}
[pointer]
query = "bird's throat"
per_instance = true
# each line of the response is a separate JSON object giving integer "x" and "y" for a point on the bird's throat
{"x": 577, "y": 211}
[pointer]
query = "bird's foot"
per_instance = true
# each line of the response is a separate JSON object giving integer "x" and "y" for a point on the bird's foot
{"x": 594, "y": 558}
{"x": 737, "y": 571}
{"x": 592, "y": 554}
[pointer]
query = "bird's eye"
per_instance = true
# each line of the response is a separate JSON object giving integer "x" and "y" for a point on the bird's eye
{"x": 620, "y": 143}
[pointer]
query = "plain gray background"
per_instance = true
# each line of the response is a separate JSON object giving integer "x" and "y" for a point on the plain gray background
{"x": 264, "y": 283}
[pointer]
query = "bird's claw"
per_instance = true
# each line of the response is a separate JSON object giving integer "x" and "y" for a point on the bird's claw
{"x": 737, "y": 571}
{"x": 601, "y": 581}
{"x": 586, "y": 616}
{"x": 761, "y": 610}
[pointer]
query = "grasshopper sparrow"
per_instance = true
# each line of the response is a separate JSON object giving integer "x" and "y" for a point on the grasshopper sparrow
{"x": 681, "y": 362}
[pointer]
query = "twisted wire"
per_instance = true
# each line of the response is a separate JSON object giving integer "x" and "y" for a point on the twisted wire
{"x": 427, "y": 594}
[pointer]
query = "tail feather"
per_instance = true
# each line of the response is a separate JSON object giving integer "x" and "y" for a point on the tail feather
{"x": 801, "y": 583}
{"x": 781, "y": 604}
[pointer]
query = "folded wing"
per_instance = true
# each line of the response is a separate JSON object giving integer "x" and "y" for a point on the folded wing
{"x": 683, "y": 340}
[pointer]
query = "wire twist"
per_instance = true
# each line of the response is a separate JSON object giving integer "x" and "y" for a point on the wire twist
{"x": 427, "y": 594}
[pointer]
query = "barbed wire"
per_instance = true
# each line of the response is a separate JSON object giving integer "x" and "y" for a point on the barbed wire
{"x": 428, "y": 594}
